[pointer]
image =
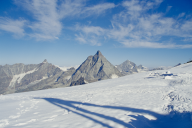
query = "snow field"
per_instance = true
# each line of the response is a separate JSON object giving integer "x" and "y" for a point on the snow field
{"x": 140, "y": 100}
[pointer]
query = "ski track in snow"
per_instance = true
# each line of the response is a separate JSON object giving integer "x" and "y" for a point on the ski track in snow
{"x": 151, "y": 99}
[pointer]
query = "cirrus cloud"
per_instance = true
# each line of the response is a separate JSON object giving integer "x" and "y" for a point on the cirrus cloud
{"x": 135, "y": 27}
{"x": 48, "y": 15}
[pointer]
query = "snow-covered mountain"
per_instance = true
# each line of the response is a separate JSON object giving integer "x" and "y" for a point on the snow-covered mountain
{"x": 129, "y": 67}
{"x": 96, "y": 68}
{"x": 22, "y": 78}
{"x": 153, "y": 99}
{"x": 12, "y": 74}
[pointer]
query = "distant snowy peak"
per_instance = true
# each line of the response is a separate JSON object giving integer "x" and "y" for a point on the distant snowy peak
{"x": 129, "y": 67}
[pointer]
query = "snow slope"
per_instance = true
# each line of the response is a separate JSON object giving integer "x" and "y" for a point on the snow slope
{"x": 157, "y": 99}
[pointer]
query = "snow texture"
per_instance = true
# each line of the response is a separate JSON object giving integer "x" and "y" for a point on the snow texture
{"x": 140, "y": 100}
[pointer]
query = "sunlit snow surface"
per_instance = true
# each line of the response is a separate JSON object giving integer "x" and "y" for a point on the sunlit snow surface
{"x": 157, "y": 99}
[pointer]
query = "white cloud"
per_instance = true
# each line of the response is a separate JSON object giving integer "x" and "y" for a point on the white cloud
{"x": 48, "y": 15}
{"x": 134, "y": 27}
{"x": 146, "y": 44}
{"x": 47, "y": 24}
{"x": 79, "y": 8}
{"x": 98, "y": 9}
{"x": 90, "y": 34}
{"x": 91, "y": 40}
{"x": 13, "y": 26}
{"x": 168, "y": 8}
{"x": 136, "y": 7}
{"x": 81, "y": 38}
{"x": 181, "y": 15}
{"x": 137, "y": 28}
{"x": 69, "y": 8}
{"x": 94, "y": 30}
{"x": 187, "y": 26}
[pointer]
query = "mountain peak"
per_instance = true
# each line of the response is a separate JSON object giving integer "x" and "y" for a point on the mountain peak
{"x": 45, "y": 61}
{"x": 99, "y": 53}
{"x": 127, "y": 61}
{"x": 96, "y": 68}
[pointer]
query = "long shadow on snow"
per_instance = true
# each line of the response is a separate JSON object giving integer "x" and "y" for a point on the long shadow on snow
{"x": 173, "y": 119}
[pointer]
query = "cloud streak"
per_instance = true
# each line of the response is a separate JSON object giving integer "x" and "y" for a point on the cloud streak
{"x": 92, "y": 35}
{"x": 134, "y": 27}
{"x": 48, "y": 16}
{"x": 13, "y": 26}
{"x": 48, "y": 25}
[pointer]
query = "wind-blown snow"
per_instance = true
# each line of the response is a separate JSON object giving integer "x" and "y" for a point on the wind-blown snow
{"x": 140, "y": 100}
{"x": 19, "y": 77}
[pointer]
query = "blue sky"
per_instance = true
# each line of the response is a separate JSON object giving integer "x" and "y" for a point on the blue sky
{"x": 65, "y": 32}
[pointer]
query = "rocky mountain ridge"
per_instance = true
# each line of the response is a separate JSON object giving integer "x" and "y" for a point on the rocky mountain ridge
{"x": 128, "y": 67}
{"x": 22, "y": 78}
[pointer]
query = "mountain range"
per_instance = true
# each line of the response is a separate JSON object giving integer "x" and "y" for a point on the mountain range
{"x": 154, "y": 99}
{"x": 21, "y": 78}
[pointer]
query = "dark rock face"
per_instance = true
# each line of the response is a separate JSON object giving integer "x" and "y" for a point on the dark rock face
{"x": 95, "y": 68}
{"x": 64, "y": 78}
{"x": 80, "y": 81}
